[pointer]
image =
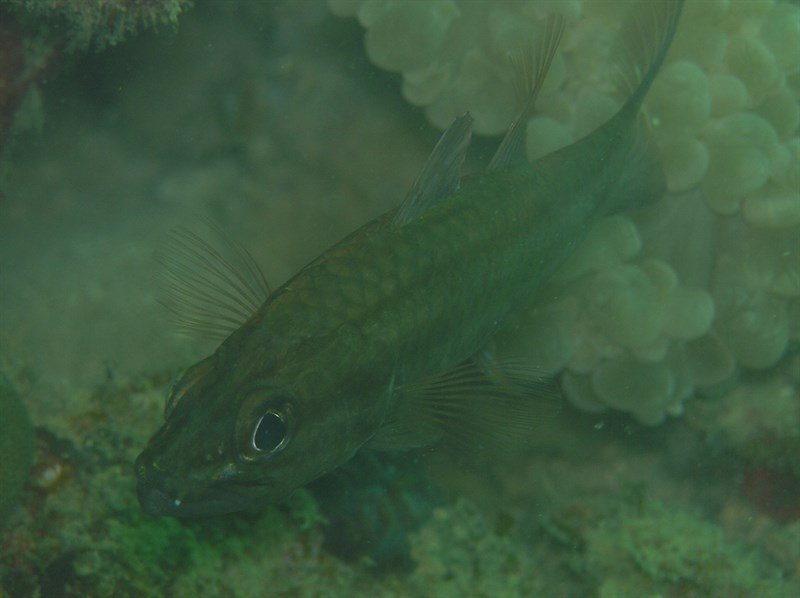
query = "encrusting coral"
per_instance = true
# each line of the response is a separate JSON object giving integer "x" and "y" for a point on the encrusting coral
{"x": 656, "y": 305}
{"x": 98, "y": 23}
{"x": 35, "y": 38}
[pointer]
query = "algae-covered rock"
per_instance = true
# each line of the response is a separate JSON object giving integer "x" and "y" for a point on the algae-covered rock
{"x": 85, "y": 535}
{"x": 459, "y": 554}
{"x": 758, "y": 421}
{"x": 99, "y": 23}
{"x": 667, "y": 551}
{"x": 16, "y": 446}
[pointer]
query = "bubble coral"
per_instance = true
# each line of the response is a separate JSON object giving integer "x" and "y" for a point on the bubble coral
{"x": 654, "y": 306}
{"x": 453, "y": 55}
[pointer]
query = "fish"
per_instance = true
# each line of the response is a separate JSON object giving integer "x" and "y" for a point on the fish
{"x": 382, "y": 342}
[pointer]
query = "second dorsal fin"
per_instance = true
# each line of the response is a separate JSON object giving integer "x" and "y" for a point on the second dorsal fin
{"x": 531, "y": 70}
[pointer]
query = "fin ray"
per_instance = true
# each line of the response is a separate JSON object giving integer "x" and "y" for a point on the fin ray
{"x": 441, "y": 174}
{"x": 476, "y": 403}
{"x": 532, "y": 69}
{"x": 642, "y": 45}
{"x": 208, "y": 282}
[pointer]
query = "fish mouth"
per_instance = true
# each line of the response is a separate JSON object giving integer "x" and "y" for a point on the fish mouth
{"x": 162, "y": 495}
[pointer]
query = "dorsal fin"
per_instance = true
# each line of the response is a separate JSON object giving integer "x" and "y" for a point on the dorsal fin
{"x": 441, "y": 174}
{"x": 208, "y": 282}
{"x": 639, "y": 51}
{"x": 531, "y": 71}
{"x": 641, "y": 46}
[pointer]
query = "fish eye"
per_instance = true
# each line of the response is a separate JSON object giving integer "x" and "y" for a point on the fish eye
{"x": 270, "y": 433}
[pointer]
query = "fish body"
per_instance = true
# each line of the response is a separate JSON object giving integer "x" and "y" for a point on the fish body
{"x": 367, "y": 343}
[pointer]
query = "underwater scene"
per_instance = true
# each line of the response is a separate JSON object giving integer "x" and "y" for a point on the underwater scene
{"x": 529, "y": 317}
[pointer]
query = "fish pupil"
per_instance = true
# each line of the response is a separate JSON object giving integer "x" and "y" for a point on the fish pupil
{"x": 270, "y": 432}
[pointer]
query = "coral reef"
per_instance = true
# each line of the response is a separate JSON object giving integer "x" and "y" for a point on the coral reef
{"x": 453, "y": 55}
{"x": 668, "y": 301}
{"x": 35, "y": 36}
{"x": 459, "y": 554}
{"x": 24, "y": 60}
{"x": 372, "y": 503}
{"x": 758, "y": 423}
{"x": 759, "y": 420}
{"x": 99, "y": 23}
{"x": 266, "y": 116}
{"x": 671, "y": 552}
{"x": 80, "y": 531}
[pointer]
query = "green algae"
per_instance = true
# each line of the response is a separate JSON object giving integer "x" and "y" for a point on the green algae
{"x": 759, "y": 420}
{"x": 139, "y": 555}
{"x": 86, "y": 535}
{"x": 458, "y": 553}
{"x": 17, "y": 444}
{"x": 99, "y": 23}
{"x": 667, "y": 551}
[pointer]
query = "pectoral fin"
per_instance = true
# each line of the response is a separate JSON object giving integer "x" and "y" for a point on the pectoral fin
{"x": 479, "y": 403}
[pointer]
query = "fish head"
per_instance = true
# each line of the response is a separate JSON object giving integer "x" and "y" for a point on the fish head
{"x": 241, "y": 436}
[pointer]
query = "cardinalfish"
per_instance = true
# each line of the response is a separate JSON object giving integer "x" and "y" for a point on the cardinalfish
{"x": 382, "y": 340}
